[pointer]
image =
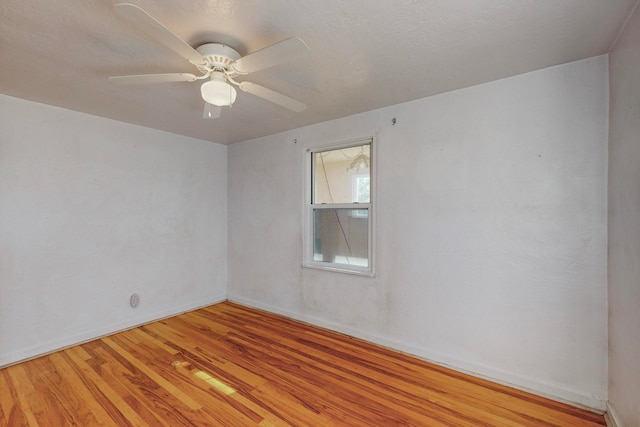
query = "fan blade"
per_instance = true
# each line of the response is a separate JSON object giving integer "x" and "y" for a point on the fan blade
{"x": 153, "y": 78}
{"x": 273, "y": 96}
{"x": 284, "y": 51}
{"x": 211, "y": 111}
{"x": 139, "y": 18}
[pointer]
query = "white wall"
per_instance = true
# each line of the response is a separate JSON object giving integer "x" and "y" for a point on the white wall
{"x": 491, "y": 230}
{"x": 92, "y": 210}
{"x": 624, "y": 226}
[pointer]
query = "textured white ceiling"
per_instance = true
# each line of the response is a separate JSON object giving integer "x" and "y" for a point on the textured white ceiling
{"x": 365, "y": 54}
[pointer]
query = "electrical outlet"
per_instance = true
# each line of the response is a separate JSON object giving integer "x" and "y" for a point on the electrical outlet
{"x": 134, "y": 300}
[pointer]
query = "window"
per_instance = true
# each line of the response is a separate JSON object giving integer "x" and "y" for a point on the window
{"x": 338, "y": 234}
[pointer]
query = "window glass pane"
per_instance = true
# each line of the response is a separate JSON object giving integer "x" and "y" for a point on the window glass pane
{"x": 342, "y": 176}
{"x": 341, "y": 236}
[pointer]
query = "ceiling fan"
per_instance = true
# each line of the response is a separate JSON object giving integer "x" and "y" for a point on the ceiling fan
{"x": 218, "y": 64}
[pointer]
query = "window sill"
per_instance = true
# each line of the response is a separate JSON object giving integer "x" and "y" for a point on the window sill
{"x": 340, "y": 269}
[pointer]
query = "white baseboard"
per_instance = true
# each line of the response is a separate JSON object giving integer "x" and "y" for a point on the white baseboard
{"x": 552, "y": 391}
{"x": 89, "y": 335}
{"x": 611, "y": 417}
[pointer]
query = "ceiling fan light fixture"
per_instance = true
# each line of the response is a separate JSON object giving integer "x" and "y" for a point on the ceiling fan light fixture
{"x": 218, "y": 91}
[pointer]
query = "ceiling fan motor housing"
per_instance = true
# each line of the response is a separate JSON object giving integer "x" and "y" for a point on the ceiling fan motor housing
{"x": 218, "y": 56}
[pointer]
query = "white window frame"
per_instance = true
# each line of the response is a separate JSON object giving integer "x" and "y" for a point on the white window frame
{"x": 309, "y": 208}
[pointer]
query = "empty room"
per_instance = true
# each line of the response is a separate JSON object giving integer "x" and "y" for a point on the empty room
{"x": 320, "y": 213}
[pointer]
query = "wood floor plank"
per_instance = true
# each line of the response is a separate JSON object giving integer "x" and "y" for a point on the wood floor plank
{"x": 119, "y": 410}
{"x": 394, "y": 390}
{"x": 29, "y": 401}
{"x": 169, "y": 377}
{"x": 65, "y": 398}
{"x": 329, "y": 379}
{"x": 463, "y": 388}
{"x": 6, "y": 399}
{"x": 397, "y": 392}
{"x": 228, "y": 365}
{"x": 131, "y": 389}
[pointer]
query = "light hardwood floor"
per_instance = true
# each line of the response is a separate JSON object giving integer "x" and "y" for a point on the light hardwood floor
{"x": 227, "y": 365}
